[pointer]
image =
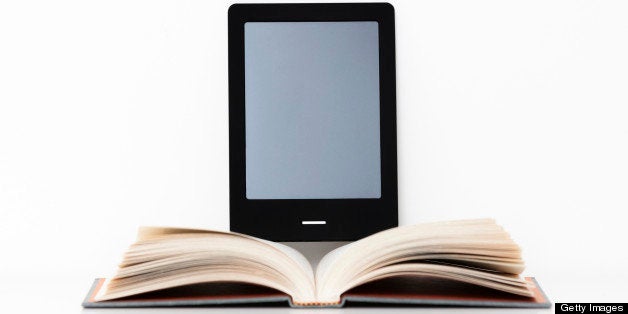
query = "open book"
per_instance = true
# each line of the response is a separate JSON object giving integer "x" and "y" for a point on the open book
{"x": 466, "y": 255}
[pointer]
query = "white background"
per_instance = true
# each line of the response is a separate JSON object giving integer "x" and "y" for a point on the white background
{"x": 113, "y": 114}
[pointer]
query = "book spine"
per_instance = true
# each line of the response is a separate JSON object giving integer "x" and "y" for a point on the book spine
{"x": 317, "y": 304}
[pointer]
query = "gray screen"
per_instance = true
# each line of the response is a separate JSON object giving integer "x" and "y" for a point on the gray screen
{"x": 312, "y": 110}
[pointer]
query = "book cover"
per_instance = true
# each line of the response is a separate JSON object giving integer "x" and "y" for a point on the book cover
{"x": 387, "y": 292}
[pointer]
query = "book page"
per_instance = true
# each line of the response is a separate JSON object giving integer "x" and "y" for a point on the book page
{"x": 297, "y": 257}
{"x": 170, "y": 257}
{"x": 474, "y": 251}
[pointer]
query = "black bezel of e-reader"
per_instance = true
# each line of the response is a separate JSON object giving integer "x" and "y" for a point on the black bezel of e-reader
{"x": 312, "y": 219}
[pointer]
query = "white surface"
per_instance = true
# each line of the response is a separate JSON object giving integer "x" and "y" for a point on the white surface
{"x": 113, "y": 114}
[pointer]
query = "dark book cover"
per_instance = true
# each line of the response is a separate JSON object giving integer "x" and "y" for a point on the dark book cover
{"x": 391, "y": 292}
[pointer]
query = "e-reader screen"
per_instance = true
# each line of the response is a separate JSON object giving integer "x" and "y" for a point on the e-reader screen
{"x": 312, "y": 110}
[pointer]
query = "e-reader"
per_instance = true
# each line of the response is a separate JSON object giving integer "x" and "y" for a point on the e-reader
{"x": 312, "y": 131}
